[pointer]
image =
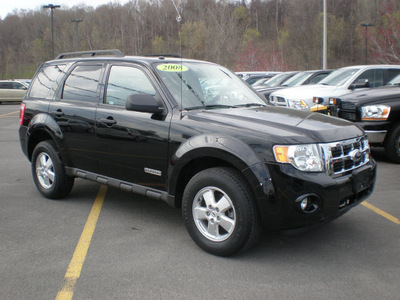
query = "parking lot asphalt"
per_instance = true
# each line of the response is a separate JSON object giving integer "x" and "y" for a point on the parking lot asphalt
{"x": 139, "y": 248}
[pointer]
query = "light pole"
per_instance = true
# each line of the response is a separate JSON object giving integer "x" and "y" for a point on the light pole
{"x": 77, "y": 21}
{"x": 366, "y": 40}
{"x": 324, "y": 46}
{"x": 52, "y": 7}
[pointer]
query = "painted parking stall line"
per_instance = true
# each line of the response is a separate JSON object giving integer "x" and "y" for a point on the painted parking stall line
{"x": 381, "y": 212}
{"x": 75, "y": 267}
{"x": 9, "y": 115}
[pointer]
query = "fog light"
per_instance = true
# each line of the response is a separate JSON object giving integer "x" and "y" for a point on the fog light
{"x": 308, "y": 204}
{"x": 304, "y": 204}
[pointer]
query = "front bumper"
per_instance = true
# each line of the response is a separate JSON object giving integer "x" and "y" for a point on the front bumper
{"x": 376, "y": 136}
{"x": 376, "y": 130}
{"x": 332, "y": 196}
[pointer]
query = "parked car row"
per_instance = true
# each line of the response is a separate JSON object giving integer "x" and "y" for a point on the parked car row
{"x": 340, "y": 82}
{"x": 13, "y": 90}
{"x": 291, "y": 79}
{"x": 367, "y": 95}
{"x": 252, "y": 77}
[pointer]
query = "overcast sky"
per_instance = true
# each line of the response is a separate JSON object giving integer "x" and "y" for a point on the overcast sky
{"x": 8, "y": 6}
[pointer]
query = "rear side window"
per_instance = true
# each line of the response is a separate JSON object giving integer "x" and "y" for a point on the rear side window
{"x": 6, "y": 85}
{"x": 46, "y": 81}
{"x": 391, "y": 73}
{"x": 83, "y": 84}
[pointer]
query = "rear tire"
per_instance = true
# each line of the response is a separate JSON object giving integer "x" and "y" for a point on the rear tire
{"x": 392, "y": 144}
{"x": 49, "y": 173}
{"x": 220, "y": 212}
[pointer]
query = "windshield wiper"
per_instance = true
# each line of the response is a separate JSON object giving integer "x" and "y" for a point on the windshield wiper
{"x": 209, "y": 106}
{"x": 249, "y": 105}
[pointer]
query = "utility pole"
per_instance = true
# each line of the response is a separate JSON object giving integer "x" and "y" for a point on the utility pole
{"x": 324, "y": 43}
{"x": 77, "y": 21}
{"x": 52, "y": 7}
{"x": 366, "y": 41}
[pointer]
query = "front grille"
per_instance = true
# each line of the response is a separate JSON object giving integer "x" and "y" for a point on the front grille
{"x": 348, "y": 105}
{"x": 345, "y": 156}
{"x": 348, "y": 111}
{"x": 348, "y": 115}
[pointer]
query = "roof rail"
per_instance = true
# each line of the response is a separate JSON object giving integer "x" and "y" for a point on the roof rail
{"x": 161, "y": 55}
{"x": 114, "y": 52}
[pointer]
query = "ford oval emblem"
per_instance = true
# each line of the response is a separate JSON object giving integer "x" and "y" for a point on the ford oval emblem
{"x": 355, "y": 155}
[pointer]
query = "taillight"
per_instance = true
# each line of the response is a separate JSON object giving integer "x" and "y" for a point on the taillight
{"x": 21, "y": 113}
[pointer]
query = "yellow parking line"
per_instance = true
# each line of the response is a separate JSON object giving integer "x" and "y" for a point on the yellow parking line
{"x": 11, "y": 113}
{"x": 381, "y": 212}
{"x": 75, "y": 267}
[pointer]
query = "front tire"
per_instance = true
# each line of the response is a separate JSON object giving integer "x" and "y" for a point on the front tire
{"x": 49, "y": 173}
{"x": 392, "y": 144}
{"x": 220, "y": 212}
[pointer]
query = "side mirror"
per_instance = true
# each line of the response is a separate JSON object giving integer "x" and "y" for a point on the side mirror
{"x": 143, "y": 103}
{"x": 361, "y": 83}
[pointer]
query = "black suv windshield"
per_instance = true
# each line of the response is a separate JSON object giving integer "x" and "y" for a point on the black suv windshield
{"x": 202, "y": 85}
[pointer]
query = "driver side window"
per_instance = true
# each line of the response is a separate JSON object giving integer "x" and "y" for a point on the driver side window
{"x": 367, "y": 75}
{"x": 124, "y": 81}
{"x": 374, "y": 77}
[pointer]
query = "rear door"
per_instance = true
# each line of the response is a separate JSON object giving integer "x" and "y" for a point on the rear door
{"x": 5, "y": 91}
{"x": 18, "y": 91}
{"x": 75, "y": 110}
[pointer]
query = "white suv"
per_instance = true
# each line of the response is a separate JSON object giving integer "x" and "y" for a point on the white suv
{"x": 339, "y": 82}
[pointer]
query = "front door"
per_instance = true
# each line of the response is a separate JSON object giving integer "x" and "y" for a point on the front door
{"x": 133, "y": 146}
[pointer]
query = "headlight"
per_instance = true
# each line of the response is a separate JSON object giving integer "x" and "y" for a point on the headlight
{"x": 375, "y": 112}
{"x": 335, "y": 101}
{"x": 298, "y": 104}
{"x": 303, "y": 157}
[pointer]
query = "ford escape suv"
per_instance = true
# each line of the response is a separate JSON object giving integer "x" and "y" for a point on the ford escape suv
{"x": 193, "y": 134}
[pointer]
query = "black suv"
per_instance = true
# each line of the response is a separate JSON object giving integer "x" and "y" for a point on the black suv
{"x": 193, "y": 134}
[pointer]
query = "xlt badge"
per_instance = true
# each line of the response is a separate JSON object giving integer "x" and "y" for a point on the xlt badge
{"x": 152, "y": 171}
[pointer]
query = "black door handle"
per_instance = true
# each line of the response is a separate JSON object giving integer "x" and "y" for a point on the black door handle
{"x": 108, "y": 121}
{"x": 58, "y": 113}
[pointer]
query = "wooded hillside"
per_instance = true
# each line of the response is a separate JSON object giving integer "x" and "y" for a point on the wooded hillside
{"x": 248, "y": 35}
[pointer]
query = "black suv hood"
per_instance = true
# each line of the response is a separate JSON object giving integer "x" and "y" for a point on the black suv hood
{"x": 374, "y": 95}
{"x": 281, "y": 125}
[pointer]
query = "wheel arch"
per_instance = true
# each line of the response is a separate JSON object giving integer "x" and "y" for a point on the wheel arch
{"x": 42, "y": 128}
{"x": 211, "y": 151}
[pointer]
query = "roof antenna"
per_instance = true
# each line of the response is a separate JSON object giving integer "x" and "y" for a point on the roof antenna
{"x": 179, "y": 20}
{"x": 178, "y": 17}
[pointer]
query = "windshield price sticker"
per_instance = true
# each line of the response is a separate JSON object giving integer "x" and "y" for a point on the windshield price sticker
{"x": 172, "y": 68}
